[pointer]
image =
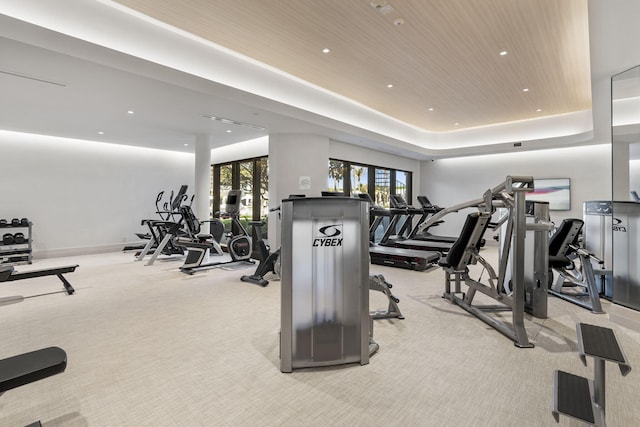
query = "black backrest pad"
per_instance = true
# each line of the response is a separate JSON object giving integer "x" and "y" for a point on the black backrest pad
{"x": 190, "y": 220}
{"x": 564, "y": 236}
{"x": 459, "y": 247}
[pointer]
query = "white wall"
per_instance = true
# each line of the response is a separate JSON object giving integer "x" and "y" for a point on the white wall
{"x": 84, "y": 196}
{"x": 451, "y": 181}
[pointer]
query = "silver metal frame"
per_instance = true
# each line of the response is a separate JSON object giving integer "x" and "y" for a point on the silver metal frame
{"x": 510, "y": 195}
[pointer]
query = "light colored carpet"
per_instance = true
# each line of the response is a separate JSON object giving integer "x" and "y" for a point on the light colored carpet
{"x": 150, "y": 346}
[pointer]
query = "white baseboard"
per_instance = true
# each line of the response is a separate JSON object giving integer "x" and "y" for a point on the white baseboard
{"x": 65, "y": 252}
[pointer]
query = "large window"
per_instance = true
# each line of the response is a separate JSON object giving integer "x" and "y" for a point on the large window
{"x": 379, "y": 182}
{"x": 250, "y": 176}
{"x": 359, "y": 179}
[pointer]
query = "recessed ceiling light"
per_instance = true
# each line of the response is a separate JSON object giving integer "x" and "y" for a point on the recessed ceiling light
{"x": 503, "y": 53}
{"x": 186, "y": 145}
{"x": 100, "y": 133}
{"x": 525, "y": 89}
{"x": 326, "y": 50}
{"x": 129, "y": 112}
{"x": 228, "y": 130}
{"x": 430, "y": 108}
{"x": 389, "y": 86}
{"x": 456, "y": 124}
{"x": 539, "y": 109}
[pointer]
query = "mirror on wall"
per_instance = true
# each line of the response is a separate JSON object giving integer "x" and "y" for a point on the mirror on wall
{"x": 625, "y": 134}
{"x": 625, "y": 156}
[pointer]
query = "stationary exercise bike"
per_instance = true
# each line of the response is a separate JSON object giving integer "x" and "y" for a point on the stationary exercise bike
{"x": 197, "y": 244}
{"x": 269, "y": 261}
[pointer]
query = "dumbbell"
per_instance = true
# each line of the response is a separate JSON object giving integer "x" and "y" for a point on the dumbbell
{"x": 24, "y": 222}
{"x": 8, "y": 239}
{"x": 3, "y": 222}
{"x": 15, "y": 222}
{"x": 19, "y": 239}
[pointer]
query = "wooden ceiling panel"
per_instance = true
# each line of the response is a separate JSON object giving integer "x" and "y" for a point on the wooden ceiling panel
{"x": 445, "y": 54}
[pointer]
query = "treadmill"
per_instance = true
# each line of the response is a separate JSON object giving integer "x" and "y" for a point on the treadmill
{"x": 429, "y": 209}
{"x": 399, "y": 207}
{"x": 389, "y": 255}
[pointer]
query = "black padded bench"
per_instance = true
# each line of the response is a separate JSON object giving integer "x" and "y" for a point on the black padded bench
{"x": 579, "y": 397}
{"x": 29, "y": 367}
{"x": 8, "y": 274}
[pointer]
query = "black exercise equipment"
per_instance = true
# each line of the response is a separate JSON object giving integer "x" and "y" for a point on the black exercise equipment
{"x": 8, "y": 274}
{"x": 399, "y": 209}
{"x": 167, "y": 211}
{"x": 392, "y": 256}
{"x": 582, "y": 398}
{"x": 19, "y": 239}
{"x": 575, "y": 283}
{"x": 238, "y": 245}
{"x": 16, "y": 371}
{"x": 268, "y": 259}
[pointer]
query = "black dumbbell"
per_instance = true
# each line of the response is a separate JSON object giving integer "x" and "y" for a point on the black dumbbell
{"x": 19, "y": 239}
{"x": 15, "y": 222}
{"x": 7, "y": 239}
{"x": 24, "y": 222}
{"x": 3, "y": 222}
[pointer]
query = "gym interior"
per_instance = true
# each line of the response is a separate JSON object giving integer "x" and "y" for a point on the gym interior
{"x": 94, "y": 335}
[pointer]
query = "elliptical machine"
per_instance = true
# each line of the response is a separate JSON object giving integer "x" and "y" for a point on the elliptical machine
{"x": 197, "y": 244}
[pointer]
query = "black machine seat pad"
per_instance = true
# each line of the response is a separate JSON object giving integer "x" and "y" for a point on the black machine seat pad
{"x": 559, "y": 261}
{"x": 26, "y": 368}
{"x": 187, "y": 242}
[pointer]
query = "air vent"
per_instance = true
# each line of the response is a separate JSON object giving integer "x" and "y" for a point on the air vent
{"x": 232, "y": 122}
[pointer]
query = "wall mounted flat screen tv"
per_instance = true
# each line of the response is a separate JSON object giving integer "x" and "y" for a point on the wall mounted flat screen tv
{"x": 556, "y": 191}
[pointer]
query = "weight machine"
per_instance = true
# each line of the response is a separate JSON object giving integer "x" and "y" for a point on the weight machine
{"x": 522, "y": 293}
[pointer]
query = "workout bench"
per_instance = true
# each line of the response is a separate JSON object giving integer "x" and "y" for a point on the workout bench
{"x": 8, "y": 274}
{"x": 29, "y": 367}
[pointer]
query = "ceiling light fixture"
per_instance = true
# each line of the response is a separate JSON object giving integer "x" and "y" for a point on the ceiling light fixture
{"x": 186, "y": 145}
{"x": 389, "y": 86}
{"x": 525, "y": 89}
{"x": 430, "y": 108}
{"x": 503, "y": 53}
{"x": 538, "y": 110}
{"x": 229, "y": 131}
{"x": 30, "y": 77}
{"x": 382, "y": 6}
{"x": 100, "y": 133}
{"x": 233, "y": 122}
{"x": 456, "y": 124}
{"x": 130, "y": 112}
{"x": 326, "y": 50}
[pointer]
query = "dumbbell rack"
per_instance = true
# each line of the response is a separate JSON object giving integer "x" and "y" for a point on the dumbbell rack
{"x": 581, "y": 398}
{"x": 16, "y": 253}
